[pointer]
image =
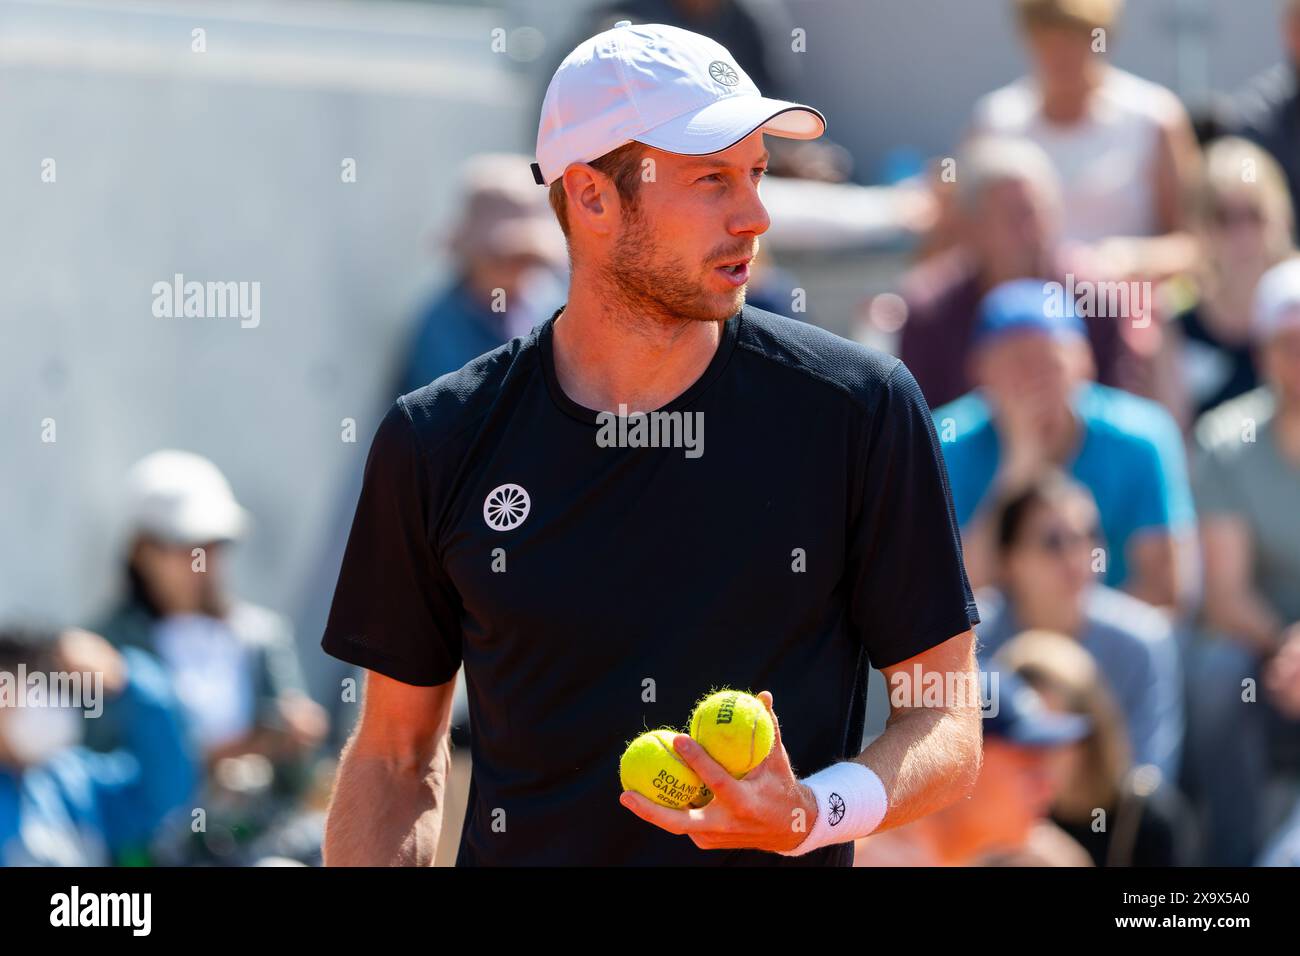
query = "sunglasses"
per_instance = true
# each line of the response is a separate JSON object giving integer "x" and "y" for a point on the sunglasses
{"x": 1058, "y": 542}
{"x": 1225, "y": 217}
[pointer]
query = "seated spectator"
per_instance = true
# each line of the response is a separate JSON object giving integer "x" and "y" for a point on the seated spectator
{"x": 1034, "y": 409}
{"x": 62, "y": 804}
{"x": 508, "y": 260}
{"x": 233, "y": 664}
{"x": 1268, "y": 111}
{"x": 1247, "y": 480}
{"x": 1124, "y": 815}
{"x": 1006, "y": 221}
{"x": 1244, "y": 225}
{"x": 1046, "y": 536}
{"x": 1024, "y": 746}
{"x": 1123, "y": 147}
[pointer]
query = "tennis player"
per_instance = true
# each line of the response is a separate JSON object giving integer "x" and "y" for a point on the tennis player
{"x": 769, "y": 510}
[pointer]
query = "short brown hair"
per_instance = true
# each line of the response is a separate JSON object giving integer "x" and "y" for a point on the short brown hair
{"x": 623, "y": 165}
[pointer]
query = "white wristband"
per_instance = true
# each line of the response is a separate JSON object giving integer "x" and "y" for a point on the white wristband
{"x": 851, "y": 802}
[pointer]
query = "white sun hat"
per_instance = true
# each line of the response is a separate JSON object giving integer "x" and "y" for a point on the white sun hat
{"x": 659, "y": 85}
{"x": 183, "y": 498}
{"x": 1277, "y": 301}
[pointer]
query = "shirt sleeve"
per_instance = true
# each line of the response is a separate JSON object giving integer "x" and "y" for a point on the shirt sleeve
{"x": 1156, "y": 722}
{"x": 1216, "y": 492}
{"x": 395, "y": 611}
{"x": 909, "y": 590}
{"x": 1164, "y": 500}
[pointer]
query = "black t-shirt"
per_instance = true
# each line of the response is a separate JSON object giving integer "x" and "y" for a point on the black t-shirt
{"x": 593, "y": 592}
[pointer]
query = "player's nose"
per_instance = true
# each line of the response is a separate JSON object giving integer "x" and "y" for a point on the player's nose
{"x": 750, "y": 216}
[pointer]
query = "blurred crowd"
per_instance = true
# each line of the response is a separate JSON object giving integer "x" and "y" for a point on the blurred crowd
{"x": 1104, "y": 315}
{"x": 1106, "y": 323}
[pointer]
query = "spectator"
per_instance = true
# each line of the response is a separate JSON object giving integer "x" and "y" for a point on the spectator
{"x": 1268, "y": 111}
{"x": 1046, "y": 534}
{"x": 1123, "y": 147}
{"x": 507, "y": 258}
{"x": 1146, "y": 821}
{"x": 1243, "y": 217}
{"x": 1006, "y": 218}
{"x": 1024, "y": 747}
{"x": 62, "y": 804}
{"x": 233, "y": 664}
{"x": 1035, "y": 408}
{"x": 1247, "y": 474}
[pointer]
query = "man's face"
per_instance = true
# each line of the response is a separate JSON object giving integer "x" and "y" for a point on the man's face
{"x": 1012, "y": 229}
{"x": 685, "y": 246}
{"x": 1029, "y": 373}
{"x": 489, "y": 273}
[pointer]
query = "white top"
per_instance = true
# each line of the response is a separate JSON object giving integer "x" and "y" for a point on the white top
{"x": 212, "y": 673}
{"x": 1105, "y": 161}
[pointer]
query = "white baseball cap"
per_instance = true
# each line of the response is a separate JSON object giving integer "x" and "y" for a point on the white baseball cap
{"x": 183, "y": 498}
{"x": 659, "y": 85}
{"x": 1277, "y": 300}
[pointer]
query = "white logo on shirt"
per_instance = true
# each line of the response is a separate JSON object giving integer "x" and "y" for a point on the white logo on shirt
{"x": 506, "y": 507}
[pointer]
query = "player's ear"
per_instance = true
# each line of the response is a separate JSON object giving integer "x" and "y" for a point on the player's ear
{"x": 592, "y": 198}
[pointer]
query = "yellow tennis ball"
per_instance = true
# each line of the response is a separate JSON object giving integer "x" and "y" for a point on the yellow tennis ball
{"x": 652, "y": 768}
{"x": 735, "y": 729}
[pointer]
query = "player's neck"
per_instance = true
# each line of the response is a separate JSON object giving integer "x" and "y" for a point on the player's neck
{"x": 607, "y": 354}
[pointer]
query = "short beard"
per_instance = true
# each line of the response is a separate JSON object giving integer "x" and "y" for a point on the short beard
{"x": 651, "y": 282}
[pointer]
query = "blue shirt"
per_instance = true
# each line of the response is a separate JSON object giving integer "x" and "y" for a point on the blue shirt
{"x": 82, "y": 808}
{"x": 1130, "y": 456}
{"x": 456, "y": 328}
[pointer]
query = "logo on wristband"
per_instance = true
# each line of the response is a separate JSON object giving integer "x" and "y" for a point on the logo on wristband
{"x": 836, "y": 808}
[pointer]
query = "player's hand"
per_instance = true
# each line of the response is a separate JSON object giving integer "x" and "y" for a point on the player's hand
{"x": 768, "y": 810}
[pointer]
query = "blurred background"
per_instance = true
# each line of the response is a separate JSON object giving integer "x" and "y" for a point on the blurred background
{"x": 328, "y": 160}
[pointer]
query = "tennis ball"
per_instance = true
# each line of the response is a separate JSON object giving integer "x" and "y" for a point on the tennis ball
{"x": 735, "y": 729}
{"x": 652, "y": 768}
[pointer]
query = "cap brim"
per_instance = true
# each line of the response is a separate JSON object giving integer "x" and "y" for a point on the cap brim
{"x": 1050, "y": 730}
{"x": 725, "y": 122}
{"x": 196, "y": 526}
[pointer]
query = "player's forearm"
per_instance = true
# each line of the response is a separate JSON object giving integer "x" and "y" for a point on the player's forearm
{"x": 926, "y": 758}
{"x": 387, "y": 812}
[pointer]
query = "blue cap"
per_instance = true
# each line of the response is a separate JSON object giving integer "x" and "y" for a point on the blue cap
{"x": 1027, "y": 305}
{"x": 1018, "y": 715}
